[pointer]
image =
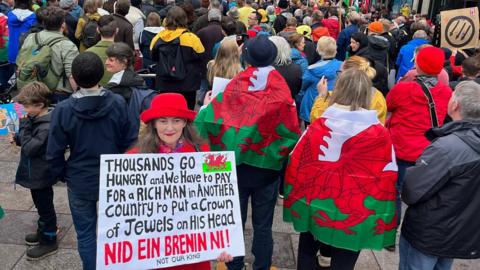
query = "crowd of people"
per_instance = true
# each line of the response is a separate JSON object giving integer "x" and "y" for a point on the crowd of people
{"x": 388, "y": 116}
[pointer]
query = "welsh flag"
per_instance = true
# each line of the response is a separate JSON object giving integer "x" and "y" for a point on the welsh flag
{"x": 255, "y": 117}
{"x": 340, "y": 181}
{"x": 350, "y": 3}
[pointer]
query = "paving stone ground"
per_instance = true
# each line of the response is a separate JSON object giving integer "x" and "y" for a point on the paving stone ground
{"x": 21, "y": 218}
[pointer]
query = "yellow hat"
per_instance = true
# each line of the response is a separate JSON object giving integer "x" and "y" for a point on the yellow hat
{"x": 305, "y": 30}
{"x": 263, "y": 12}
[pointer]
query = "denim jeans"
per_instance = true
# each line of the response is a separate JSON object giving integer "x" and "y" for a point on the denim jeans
{"x": 263, "y": 206}
{"x": 402, "y": 169}
{"x": 84, "y": 215}
{"x": 413, "y": 259}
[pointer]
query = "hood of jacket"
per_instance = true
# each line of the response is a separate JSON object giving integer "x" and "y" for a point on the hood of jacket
{"x": 18, "y": 17}
{"x": 76, "y": 12}
{"x": 42, "y": 119}
{"x": 327, "y": 68}
{"x": 93, "y": 107}
{"x": 467, "y": 131}
{"x": 154, "y": 29}
{"x": 169, "y": 35}
{"x": 378, "y": 42}
{"x": 134, "y": 14}
{"x": 417, "y": 42}
{"x": 296, "y": 54}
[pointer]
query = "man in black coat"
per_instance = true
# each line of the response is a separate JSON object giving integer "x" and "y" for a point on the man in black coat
{"x": 125, "y": 28}
{"x": 443, "y": 190}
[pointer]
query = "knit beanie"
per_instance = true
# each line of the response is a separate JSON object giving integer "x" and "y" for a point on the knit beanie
{"x": 430, "y": 60}
{"x": 376, "y": 27}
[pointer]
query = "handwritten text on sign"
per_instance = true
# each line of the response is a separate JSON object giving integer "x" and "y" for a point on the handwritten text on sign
{"x": 159, "y": 210}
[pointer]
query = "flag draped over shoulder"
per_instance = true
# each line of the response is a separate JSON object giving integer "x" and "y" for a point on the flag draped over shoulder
{"x": 340, "y": 181}
{"x": 255, "y": 117}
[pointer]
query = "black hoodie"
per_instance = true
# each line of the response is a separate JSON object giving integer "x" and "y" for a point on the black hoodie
{"x": 129, "y": 81}
{"x": 91, "y": 126}
{"x": 443, "y": 193}
{"x": 378, "y": 49}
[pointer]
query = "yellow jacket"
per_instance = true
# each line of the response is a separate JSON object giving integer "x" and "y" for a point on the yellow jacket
{"x": 378, "y": 103}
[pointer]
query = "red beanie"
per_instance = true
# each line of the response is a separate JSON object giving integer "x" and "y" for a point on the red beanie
{"x": 430, "y": 60}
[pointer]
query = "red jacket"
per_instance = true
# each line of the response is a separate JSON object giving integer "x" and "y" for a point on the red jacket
{"x": 186, "y": 148}
{"x": 410, "y": 117}
{"x": 333, "y": 26}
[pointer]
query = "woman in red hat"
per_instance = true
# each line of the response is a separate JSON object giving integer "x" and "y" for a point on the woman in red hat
{"x": 169, "y": 130}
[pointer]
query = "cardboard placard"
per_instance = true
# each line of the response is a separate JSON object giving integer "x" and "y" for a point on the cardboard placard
{"x": 459, "y": 28}
{"x": 162, "y": 210}
{"x": 10, "y": 115}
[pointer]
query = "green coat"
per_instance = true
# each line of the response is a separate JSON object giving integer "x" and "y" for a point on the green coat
{"x": 100, "y": 49}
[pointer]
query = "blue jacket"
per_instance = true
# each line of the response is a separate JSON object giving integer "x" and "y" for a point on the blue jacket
{"x": 343, "y": 41}
{"x": 19, "y": 21}
{"x": 405, "y": 56}
{"x": 300, "y": 60}
{"x": 311, "y": 77}
{"x": 76, "y": 12}
{"x": 91, "y": 126}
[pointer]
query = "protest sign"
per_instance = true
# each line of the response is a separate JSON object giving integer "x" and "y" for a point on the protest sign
{"x": 10, "y": 115}
{"x": 162, "y": 210}
{"x": 459, "y": 28}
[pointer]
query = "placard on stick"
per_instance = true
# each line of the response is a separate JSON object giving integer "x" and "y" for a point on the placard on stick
{"x": 158, "y": 210}
{"x": 459, "y": 28}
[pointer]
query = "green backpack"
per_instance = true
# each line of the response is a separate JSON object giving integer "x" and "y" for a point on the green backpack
{"x": 34, "y": 64}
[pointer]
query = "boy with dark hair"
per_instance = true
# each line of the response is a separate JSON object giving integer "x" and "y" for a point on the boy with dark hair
{"x": 93, "y": 121}
{"x": 107, "y": 28}
{"x": 33, "y": 172}
{"x": 63, "y": 53}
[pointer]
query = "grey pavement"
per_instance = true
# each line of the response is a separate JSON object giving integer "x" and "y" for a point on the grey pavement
{"x": 21, "y": 218}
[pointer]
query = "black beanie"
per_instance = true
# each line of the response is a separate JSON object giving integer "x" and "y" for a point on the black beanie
{"x": 283, "y": 4}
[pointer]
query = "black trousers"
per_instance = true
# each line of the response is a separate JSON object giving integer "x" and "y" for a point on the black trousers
{"x": 308, "y": 247}
{"x": 43, "y": 200}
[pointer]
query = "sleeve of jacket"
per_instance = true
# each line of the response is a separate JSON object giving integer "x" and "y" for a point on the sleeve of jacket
{"x": 79, "y": 30}
{"x": 33, "y": 146}
{"x": 57, "y": 143}
{"x": 128, "y": 37}
{"x": 69, "y": 51}
{"x": 393, "y": 97}
{"x": 428, "y": 175}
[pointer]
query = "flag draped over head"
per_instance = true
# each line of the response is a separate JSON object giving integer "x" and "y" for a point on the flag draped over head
{"x": 340, "y": 181}
{"x": 255, "y": 117}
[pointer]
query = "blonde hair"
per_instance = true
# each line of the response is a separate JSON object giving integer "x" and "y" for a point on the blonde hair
{"x": 353, "y": 88}
{"x": 327, "y": 47}
{"x": 153, "y": 19}
{"x": 359, "y": 63}
{"x": 226, "y": 63}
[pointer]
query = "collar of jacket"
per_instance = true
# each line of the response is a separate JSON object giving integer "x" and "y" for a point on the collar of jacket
{"x": 453, "y": 127}
{"x": 122, "y": 17}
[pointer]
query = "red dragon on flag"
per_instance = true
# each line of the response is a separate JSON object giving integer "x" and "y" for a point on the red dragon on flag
{"x": 340, "y": 182}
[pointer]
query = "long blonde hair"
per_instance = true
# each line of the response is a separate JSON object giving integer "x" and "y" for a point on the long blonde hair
{"x": 353, "y": 88}
{"x": 226, "y": 63}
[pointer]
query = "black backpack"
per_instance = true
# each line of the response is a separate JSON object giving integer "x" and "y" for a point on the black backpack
{"x": 170, "y": 64}
{"x": 90, "y": 36}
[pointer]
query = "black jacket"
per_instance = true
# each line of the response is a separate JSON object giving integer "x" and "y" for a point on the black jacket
{"x": 209, "y": 36}
{"x": 125, "y": 30}
{"x": 443, "y": 193}
{"x": 91, "y": 126}
{"x": 378, "y": 49}
{"x": 129, "y": 80}
{"x": 33, "y": 171}
{"x": 292, "y": 73}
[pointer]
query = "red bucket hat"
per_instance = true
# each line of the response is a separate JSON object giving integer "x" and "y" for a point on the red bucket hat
{"x": 165, "y": 105}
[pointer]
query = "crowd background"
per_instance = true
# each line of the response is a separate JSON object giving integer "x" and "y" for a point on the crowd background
{"x": 321, "y": 65}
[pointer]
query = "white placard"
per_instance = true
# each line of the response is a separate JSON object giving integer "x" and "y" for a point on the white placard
{"x": 162, "y": 210}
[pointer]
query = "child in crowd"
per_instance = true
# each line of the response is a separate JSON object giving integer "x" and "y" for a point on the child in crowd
{"x": 92, "y": 121}
{"x": 33, "y": 171}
